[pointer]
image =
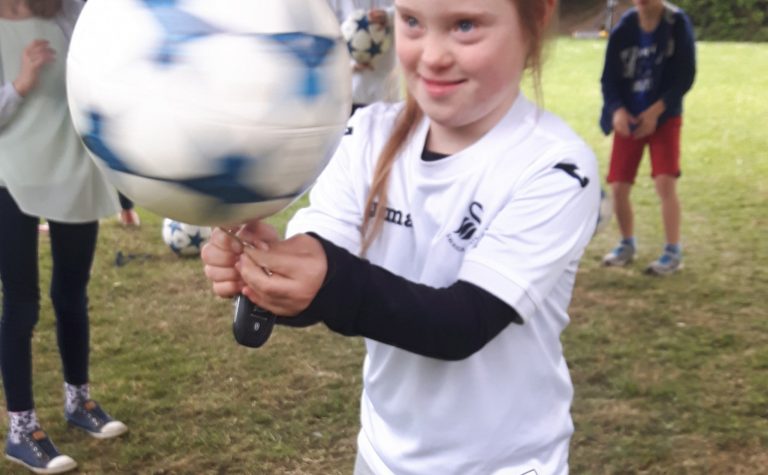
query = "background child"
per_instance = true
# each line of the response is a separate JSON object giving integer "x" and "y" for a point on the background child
{"x": 650, "y": 64}
{"x": 45, "y": 172}
{"x": 378, "y": 80}
{"x": 472, "y": 208}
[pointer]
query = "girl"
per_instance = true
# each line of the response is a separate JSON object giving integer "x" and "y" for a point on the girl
{"x": 45, "y": 172}
{"x": 471, "y": 209}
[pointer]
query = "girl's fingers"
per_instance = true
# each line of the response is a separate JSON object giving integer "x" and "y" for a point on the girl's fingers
{"x": 225, "y": 241}
{"x": 227, "y": 289}
{"x": 221, "y": 274}
{"x": 212, "y": 254}
{"x": 259, "y": 233}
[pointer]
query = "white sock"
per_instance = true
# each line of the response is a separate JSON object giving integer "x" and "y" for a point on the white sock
{"x": 74, "y": 396}
{"x": 22, "y": 422}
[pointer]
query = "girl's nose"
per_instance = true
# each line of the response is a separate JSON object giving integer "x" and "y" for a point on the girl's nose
{"x": 435, "y": 52}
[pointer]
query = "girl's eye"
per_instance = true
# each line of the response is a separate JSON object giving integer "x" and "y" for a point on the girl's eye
{"x": 411, "y": 21}
{"x": 465, "y": 26}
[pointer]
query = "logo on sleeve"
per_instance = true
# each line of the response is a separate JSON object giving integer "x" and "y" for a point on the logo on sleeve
{"x": 348, "y": 131}
{"x": 570, "y": 169}
{"x": 464, "y": 235}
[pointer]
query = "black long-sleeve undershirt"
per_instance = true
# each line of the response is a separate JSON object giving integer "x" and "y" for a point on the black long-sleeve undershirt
{"x": 361, "y": 299}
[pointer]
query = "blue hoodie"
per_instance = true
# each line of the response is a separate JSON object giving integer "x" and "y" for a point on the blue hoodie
{"x": 660, "y": 64}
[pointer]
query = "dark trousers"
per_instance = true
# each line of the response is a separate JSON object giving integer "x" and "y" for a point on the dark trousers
{"x": 72, "y": 249}
{"x": 125, "y": 202}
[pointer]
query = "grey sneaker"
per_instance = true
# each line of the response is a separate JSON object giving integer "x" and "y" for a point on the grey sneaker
{"x": 668, "y": 263}
{"x": 621, "y": 255}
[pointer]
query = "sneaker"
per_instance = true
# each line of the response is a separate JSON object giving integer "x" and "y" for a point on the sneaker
{"x": 91, "y": 418}
{"x": 668, "y": 263}
{"x": 129, "y": 218}
{"x": 621, "y": 255}
{"x": 36, "y": 452}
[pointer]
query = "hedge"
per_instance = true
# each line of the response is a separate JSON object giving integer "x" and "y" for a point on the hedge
{"x": 733, "y": 20}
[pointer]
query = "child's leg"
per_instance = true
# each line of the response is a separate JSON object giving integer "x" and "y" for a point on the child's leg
{"x": 665, "y": 170}
{"x": 72, "y": 249}
{"x": 666, "y": 187}
{"x": 622, "y": 208}
{"x": 625, "y": 160}
{"x": 21, "y": 301}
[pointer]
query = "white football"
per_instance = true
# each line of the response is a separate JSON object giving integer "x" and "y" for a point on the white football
{"x": 209, "y": 112}
{"x": 366, "y": 40}
{"x": 185, "y": 239}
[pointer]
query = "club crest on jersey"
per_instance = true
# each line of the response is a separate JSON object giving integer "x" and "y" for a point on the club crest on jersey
{"x": 465, "y": 235}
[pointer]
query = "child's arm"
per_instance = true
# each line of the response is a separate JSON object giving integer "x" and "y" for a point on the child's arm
{"x": 10, "y": 100}
{"x": 683, "y": 62}
{"x": 609, "y": 82}
{"x": 362, "y": 299}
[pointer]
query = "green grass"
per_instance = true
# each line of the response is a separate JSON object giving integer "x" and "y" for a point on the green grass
{"x": 671, "y": 375}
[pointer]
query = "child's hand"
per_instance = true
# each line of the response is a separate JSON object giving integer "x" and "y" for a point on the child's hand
{"x": 379, "y": 17}
{"x": 285, "y": 276}
{"x": 648, "y": 120}
{"x": 37, "y": 54}
{"x": 219, "y": 256}
{"x": 646, "y": 127}
{"x": 224, "y": 250}
{"x": 623, "y": 122}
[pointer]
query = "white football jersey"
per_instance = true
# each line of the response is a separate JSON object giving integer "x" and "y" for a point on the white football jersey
{"x": 511, "y": 214}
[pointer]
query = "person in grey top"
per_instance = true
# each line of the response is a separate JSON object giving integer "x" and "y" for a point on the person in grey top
{"x": 45, "y": 172}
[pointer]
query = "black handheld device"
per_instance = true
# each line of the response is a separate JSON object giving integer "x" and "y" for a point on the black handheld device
{"x": 252, "y": 325}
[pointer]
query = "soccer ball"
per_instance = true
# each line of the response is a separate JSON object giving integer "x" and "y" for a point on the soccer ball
{"x": 185, "y": 239}
{"x": 606, "y": 211}
{"x": 209, "y": 112}
{"x": 366, "y": 40}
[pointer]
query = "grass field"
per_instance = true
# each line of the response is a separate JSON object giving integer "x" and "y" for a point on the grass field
{"x": 671, "y": 374}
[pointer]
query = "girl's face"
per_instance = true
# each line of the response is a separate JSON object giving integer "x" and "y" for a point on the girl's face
{"x": 462, "y": 60}
{"x": 651, "y": 5}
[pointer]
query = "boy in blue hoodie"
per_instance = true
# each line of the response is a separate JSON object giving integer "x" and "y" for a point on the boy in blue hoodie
{"x": 650, "y": 64}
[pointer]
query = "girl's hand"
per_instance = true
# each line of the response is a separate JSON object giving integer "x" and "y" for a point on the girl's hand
{"x": 223, "y": 251}
{"x": 623, "y": 122}
{"x": 36, "y": 55}
{"x": 284, "y": 277}
{"x": 219, "y": 256}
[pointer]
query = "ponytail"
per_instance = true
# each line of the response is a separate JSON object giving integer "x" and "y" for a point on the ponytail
{"x": 376, "y": 203}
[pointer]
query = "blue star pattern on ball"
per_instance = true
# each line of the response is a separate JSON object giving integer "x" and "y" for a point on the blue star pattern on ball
{"x": 363, "y": 23}
{"x": 375, "y": 49}
{"x": 312, "y": 51}
{"x": 182, "y": 27}
{"x": 224, "y": 186}
{"x": 196, "y": 239}
{"x": 175, "y": 226}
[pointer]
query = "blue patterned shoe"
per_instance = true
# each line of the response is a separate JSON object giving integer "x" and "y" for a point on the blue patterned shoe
{"x": 91, "y": 418}
{"x": 36, "y": 452}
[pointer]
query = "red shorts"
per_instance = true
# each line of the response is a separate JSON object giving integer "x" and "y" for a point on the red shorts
{"x": 664, "y": 145}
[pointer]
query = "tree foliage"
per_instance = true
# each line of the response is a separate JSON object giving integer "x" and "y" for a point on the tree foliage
{"x": 714, "y": 20}
{"x": 745, "y": 20}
